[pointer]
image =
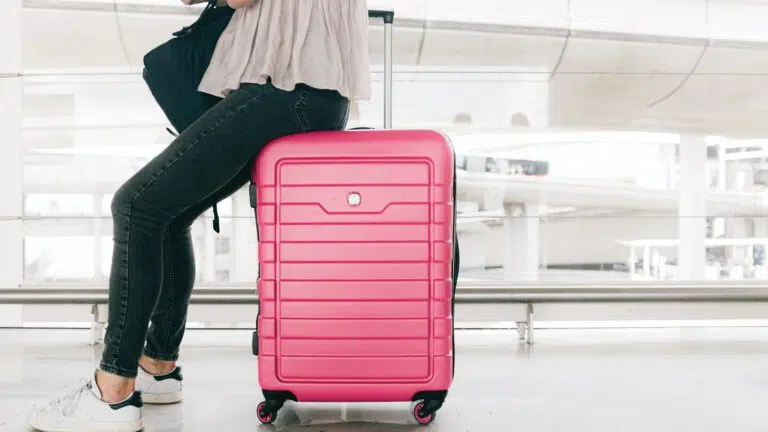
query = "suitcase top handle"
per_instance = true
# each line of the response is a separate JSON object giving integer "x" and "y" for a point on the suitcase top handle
{"x": 387, "y": 15}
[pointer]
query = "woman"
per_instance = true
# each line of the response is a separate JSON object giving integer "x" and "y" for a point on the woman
{"x": 283, "y": 67}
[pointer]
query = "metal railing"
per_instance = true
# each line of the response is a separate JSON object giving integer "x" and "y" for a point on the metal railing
{"x": 473, "y": 293}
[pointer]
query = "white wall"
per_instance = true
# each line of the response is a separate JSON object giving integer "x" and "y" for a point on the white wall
{"x": 575, "y": 240}
{"x": 475, "y": 248}
{"x": 595, "y": 239}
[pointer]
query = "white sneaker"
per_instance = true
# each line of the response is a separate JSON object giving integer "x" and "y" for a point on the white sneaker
{"x": 82, "y": 410}
{"x": 160, "y": 389}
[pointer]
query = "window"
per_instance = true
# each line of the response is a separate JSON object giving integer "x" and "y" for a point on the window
{"x": 222, "y": 245}
{"x": 222, "y": 275}
{"x": 62, "y": 204}
{"x": 51, "y": 259}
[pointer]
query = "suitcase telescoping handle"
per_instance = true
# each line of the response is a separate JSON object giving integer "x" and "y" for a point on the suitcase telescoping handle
{"x": 388, "y": 16}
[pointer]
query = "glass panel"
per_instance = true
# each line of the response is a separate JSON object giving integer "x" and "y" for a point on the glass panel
{"x": 107, "y": 245}
{"x": 573, "y": 246}
{"x": 106, "y": 203}
{"x": 45, "y": 205}
{"x": 566, "y": 118}
{"x": 52, "y": 259}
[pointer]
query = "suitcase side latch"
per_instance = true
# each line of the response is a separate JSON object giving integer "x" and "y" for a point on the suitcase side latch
{"x": 252, "y": 194}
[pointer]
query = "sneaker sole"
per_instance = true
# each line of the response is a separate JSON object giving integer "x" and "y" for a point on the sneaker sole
{"x": 134, "y": 426}
{"x": 161, "y": 398}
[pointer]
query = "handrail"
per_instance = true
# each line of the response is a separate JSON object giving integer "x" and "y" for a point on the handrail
{"x": 474, "y": 298}
{"x": 466, "y": 293}
{"x": 464, "y": 284}
{"x": 473, "y": 293}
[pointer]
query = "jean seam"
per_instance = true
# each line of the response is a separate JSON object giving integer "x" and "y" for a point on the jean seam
{"x": 125, "y": 294}
{"x": 157, "y": 356}
{"x": 117, "y": 370}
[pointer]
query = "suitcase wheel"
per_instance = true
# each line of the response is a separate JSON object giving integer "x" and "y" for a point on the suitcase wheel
{"x": 425, "y": 412}
{"x": 267, "y": 412}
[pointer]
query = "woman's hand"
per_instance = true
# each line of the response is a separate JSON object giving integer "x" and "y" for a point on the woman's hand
{"x": 235, "y": 4}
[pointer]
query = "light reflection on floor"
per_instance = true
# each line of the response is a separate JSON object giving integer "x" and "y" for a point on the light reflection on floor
{"x": 640, "y": 380}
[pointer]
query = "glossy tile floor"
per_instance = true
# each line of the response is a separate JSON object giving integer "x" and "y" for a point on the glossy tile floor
{"x": 695, "y": 380}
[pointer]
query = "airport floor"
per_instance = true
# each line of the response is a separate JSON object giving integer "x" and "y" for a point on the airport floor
{"x": 572, "y": 380}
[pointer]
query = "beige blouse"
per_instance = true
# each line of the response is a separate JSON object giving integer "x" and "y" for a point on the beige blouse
{"x": 321, "y": 43}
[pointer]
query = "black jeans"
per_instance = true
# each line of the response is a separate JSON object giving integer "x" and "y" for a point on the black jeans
{"x": 153, "y": 266}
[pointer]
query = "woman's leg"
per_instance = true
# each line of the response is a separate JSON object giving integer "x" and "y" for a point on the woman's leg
{"x": 201, "y": 161}
{"x": 169, "y": 317}
{"x": 178, "y": 251}
{"x": 160, "y": 378}
{"x": 205, "y": 158}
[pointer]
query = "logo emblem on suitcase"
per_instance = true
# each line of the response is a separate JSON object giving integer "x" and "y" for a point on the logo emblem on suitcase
{"x": 353, "y": 199}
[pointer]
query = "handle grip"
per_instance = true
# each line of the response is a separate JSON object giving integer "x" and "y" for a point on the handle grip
{"x": 388, "y": 16}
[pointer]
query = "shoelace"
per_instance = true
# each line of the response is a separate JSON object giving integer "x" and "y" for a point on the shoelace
{"x": 82, "y": 383}
{"x": 68, "y": 403}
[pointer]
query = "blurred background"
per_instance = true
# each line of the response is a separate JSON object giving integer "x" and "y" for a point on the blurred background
{"x": 596, "y": 140}
{"x": 612, "y": 162}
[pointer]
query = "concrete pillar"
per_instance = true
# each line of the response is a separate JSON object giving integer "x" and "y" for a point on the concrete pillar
{"x": 740, "y": 176}
{"x": 760, "y": 250}
{"x": 722, "y": 168}
{"x": 646, "y": 260}
{"x": 692, "y": 208}
{"x": 667, "y": 163}
{"x": 738, "y": 228}
{"x": 11, "y": 254}
{"x": 521, "y": 242}
{"x": 493, "y": 199}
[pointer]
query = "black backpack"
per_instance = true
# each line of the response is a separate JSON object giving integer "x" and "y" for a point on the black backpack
{"x": 173, "y": 70}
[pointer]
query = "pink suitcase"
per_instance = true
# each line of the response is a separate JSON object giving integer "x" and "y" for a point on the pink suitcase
{"x": 356, "y": 281}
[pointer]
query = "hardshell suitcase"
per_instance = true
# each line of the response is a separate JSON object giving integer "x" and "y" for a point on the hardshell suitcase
{"x": 357, "y": 275}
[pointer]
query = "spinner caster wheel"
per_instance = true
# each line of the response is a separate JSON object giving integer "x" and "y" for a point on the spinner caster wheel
{"x": 423, "y": 416}
{"x": 267, "y": 415}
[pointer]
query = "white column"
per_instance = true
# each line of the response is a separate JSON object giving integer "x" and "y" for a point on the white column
{"x": 493, "y": 199}
{"x": 761, "y": 228}
{"x": 722, "y": 168}
{"x": 11, "y": 254}
{"x": 521, "y": 242}
{"x": 668, "y": 164}
{"x": 692, "y": 208}
{"x": 646, "y": 260}
{"x": 737, "y": 228}
{"x": 761, "y": 232}
{"x": 739, "y": 176}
